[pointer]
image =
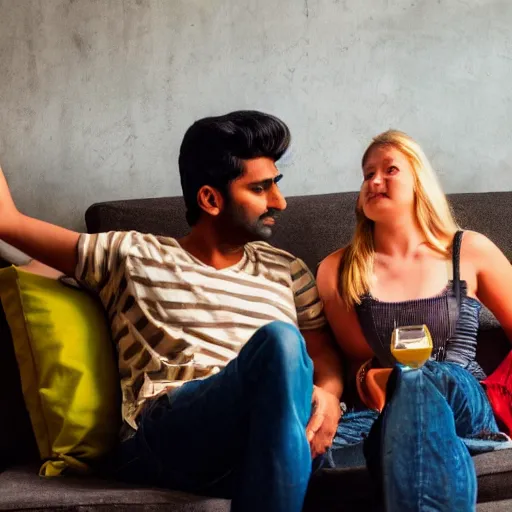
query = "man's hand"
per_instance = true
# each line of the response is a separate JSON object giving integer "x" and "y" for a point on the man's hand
{"x": 326, "y": 414}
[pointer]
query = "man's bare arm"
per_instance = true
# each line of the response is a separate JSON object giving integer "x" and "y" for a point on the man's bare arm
{"x": 327, "y": 391}
{"x": 327, "y": 362}
{"x": 53, "y": 245}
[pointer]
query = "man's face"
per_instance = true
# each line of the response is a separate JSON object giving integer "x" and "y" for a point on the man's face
{"x": 255, "y": 200}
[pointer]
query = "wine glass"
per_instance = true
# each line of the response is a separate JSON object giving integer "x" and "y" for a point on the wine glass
{"x": 411, "y": 345}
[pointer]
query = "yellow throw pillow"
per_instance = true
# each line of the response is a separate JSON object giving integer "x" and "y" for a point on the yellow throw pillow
{"x": 67, "y": 367}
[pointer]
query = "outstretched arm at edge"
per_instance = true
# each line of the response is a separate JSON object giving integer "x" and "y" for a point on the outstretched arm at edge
{"x": 53, "y": 245}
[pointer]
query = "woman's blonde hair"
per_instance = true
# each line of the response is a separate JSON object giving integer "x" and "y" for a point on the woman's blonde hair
{"x": 430, "y": 206}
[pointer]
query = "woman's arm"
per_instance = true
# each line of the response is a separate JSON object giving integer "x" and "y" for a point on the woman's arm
{"x": 342, "y": 320}
{"x": 493, "y": 277}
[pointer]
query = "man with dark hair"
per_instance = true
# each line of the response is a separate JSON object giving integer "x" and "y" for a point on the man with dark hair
{"x": 219, "y": 334}
{"x": 226, "y": 141}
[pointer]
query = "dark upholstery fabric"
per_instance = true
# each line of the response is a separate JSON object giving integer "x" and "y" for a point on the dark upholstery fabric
{"x": 17, "y": 442}
{"x": 311, "y": 228}
{"x": 494, "y": 471}
{"x": 314, "y": 226}
{"x": 330, "y": 490}
{"x": 342, "y": 489}
{"x": 354, "y": 488}
{"x": 495, "y": 506}
{"x": 160, "y": 216}
{"x": 493, "y": 346}
{"x": 488, "y": 213}
{"x": 22, "y": 489}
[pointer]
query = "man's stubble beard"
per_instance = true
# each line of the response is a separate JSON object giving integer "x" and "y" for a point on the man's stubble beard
{"x": 251, "y": 231}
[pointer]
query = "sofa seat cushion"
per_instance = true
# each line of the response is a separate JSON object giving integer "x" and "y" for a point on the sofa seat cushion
{"x": 330, "y": 489}
{"x": 22, "y": 489}
{"x": 495, "y": 506}
{"x": 494, "y": 471}
{"x": 354, "y": 489}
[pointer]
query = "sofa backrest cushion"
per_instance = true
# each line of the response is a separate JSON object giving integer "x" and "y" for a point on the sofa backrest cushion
{"x": 313, "y": 226}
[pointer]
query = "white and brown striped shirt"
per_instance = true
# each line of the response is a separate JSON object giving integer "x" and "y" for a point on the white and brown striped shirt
{"x": 174, "y": 318}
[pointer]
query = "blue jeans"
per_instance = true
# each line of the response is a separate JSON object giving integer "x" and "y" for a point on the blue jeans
{"x": 419, "y": 447}
{"x": 238, "y": 434}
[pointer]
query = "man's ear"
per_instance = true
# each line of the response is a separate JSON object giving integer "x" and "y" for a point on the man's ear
{"x": 210, "y": 200}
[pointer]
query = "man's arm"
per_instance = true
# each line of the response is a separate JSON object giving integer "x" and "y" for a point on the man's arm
{"x": 327, "y": 391}
{"x": 50, "y": 244}
{"x": 328, "y": 372}
{"x": 328, "y": 378}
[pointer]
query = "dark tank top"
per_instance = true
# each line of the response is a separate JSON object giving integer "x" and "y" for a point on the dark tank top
{"x": 451, "y": 317}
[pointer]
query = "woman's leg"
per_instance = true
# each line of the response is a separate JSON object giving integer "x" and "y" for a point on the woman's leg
{"x": 347, "y": 447}
{"x": 416, "y": 446}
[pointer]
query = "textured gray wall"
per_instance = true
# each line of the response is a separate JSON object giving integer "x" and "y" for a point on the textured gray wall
{"x": 95, "y": 95}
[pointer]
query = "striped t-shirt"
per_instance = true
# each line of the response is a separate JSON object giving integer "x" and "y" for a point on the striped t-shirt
{"x": 174, "y": 318}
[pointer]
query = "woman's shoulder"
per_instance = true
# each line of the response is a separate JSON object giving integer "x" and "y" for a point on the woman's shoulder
{"x": 328, "y": 272}
{"x": 476, "y": 246}
{"x": 331, "y": 262}
{"x": 333, "y": 257}
{"x": 479, "y": 258}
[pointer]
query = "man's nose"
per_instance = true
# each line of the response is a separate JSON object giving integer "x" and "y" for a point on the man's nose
{"x": 277, "y": 199}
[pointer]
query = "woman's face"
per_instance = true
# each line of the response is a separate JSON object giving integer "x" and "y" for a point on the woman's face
{"x": 388, "y": 184}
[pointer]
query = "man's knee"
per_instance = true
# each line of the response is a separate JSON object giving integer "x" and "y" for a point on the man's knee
{"x": 285, "y": 346}
{"x": 284, "y": 371}
{"x": 284, "y": 339}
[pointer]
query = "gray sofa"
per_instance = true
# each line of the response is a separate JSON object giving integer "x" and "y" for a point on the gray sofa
{"x": 311, "y": 227}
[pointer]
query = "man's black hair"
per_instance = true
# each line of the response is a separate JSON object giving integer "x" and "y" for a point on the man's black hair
{"x": 214, "y": 148}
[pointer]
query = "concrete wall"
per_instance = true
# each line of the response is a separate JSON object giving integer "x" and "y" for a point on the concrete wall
{"x": 95, "y": 95}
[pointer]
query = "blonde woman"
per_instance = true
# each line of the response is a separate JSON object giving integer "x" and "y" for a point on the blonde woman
{"x": 409, "y": 264}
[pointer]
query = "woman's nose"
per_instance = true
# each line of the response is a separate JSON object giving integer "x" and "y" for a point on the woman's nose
{"x": 377, "y": 179}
